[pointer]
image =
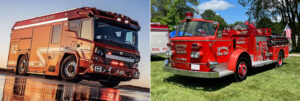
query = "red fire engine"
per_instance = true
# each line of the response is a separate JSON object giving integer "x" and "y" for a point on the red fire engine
{"x": 198, "y": 50}
{"x": 75, "y": 44}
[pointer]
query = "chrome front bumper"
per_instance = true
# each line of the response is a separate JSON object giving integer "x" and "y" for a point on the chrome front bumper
{"x": 197, "y": 73}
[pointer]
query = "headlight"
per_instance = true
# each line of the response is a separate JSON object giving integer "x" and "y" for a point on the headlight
{"x": 137, "y": 59}
{"x": 212, "y": 64}
{"x": 99, "y": 51}
{"x": 195, "y": 55}
{"x": 135, "y": 65}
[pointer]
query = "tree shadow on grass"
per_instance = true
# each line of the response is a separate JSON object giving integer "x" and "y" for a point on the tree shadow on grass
{"x": 214, "y": 83}
{"x": 199, "y": 83}
{"x": 157, "y": 58}
{"x": 262, "y": 69}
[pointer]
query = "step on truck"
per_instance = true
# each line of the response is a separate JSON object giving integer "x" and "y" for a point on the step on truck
{"x": 81, "y": 43}
{"x": 198, "y": 50}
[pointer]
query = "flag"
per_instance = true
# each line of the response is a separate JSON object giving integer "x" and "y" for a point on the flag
{"x": 288, "y": 32}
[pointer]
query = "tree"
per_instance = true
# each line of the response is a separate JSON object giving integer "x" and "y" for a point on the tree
{"x": 171, "y": 12}
{"x": 234, "y": 24}
{"x": 287, "y": 10}
{"x": 264, "y": 23}
{"x": 267, "y": 23}
{"x": 211, "y": 15}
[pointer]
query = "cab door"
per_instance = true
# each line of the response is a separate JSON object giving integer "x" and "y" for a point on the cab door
{"x": 54, "y": 47}
{"x": 84, "y": 42}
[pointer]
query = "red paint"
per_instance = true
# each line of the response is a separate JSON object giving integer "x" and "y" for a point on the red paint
{"x": 159, "y": 27}
{"x": 242, "y": 69}
{"x": 224, "y": 50}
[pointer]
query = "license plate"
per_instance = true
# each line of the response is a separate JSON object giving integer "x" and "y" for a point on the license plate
{"x": 195, "y": 66}
{"x": 98, "y": 68}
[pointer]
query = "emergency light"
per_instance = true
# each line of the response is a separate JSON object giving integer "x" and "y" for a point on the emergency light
{"x": 189, "y": 15}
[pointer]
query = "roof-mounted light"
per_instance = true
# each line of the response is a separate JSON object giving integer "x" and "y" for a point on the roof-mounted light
{"x": 189, "y": 15}
{"x": 126, "y": 21}
{"x": 119, "y": 19}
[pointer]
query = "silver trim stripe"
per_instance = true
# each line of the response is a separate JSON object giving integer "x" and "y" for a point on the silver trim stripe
{"x": 119, "y": 58}
{"x": 42, "y": 23}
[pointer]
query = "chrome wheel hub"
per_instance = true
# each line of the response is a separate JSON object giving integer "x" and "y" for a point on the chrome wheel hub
{"x": 70, "y": 69}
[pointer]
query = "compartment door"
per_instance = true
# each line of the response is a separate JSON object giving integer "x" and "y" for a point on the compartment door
{"x": 39, "y": 49}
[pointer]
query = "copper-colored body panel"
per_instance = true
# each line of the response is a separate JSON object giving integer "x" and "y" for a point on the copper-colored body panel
{"x": 32, "y": 38}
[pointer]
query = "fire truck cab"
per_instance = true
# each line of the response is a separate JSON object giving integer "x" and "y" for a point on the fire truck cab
{"x": 198, "y": 50}
{"x": 76, "y": 44}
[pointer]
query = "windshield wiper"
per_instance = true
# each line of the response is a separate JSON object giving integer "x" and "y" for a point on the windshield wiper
{"x": 120, "y": 44}
{"x": 116, "y": 43}
{"x": 128, "y": 45}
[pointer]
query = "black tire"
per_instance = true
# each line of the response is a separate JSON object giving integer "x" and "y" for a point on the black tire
{"x": 241, "y": 72}
{"x": 110, "y": 83}
{"x": 68, "y": 70}
{"x": 22, "y": 66}
{"x": 280, "y": 59}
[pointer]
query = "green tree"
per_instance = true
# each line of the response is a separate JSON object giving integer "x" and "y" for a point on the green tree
{"x": 287, "y": 10}
{"x": 234, "y": 24}
{"x": 264, "y": 23}
{"x": 171, "y": 12}
{"x": 211, "y": 15}
{"x": 267, "y": 23}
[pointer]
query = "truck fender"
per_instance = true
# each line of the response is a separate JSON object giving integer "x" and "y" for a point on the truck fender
{"x": 232, "y": 61}
{"x": 71, "y": 53}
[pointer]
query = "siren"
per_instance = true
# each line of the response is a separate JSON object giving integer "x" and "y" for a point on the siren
{"x": 189, "y": 15}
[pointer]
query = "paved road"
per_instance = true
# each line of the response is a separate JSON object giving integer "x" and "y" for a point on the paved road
{"x": 30, "y": 88}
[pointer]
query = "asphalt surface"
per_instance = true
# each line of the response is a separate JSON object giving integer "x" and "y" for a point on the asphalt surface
{"x": 37, "y": 88}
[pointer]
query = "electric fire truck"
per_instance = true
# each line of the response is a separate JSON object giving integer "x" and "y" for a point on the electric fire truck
{"x": 198, "y": 50}
{"x": 75, "y": 44}
{"x": 159, "y": 38}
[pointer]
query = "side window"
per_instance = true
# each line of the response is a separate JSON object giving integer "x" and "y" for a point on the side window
{"x": 129, "y": 38}
{"x": 56, "y": 34}
{"x": 86, "y": 31}
{"x": 74, "y": 26}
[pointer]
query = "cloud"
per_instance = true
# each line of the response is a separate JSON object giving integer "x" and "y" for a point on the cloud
{"x": 214, "y": 5}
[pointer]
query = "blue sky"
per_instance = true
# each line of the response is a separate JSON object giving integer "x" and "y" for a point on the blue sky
{"x": 15, "y": 10}
{"x": 230, "y": 10}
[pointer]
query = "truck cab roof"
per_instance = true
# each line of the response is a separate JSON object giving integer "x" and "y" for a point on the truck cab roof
{"x": 76, "y": 13}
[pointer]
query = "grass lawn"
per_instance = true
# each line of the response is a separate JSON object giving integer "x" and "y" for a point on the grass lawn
{"x": 266, "y": 83}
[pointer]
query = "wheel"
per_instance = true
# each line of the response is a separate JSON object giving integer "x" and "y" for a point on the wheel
{"x": 110, "y": 83}
{"x": 68, "y": 70}
{"x": 280, "y": 59}
{"x": 22, "y": 66}
{"x": 242, "y": 67}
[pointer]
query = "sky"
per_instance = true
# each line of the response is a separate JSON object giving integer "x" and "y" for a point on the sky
{"x": 230, "y": 10}
{"x": 16, "y": 10}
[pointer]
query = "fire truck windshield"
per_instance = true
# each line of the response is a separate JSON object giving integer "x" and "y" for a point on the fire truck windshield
{"x": 196, "y": 28}
{"x": 115, "y": 35}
